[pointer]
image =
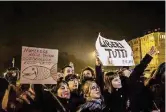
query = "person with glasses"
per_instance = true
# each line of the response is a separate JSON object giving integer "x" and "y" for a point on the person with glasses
{"x": 76, "y": 98}
{"x": 94, "y": 100}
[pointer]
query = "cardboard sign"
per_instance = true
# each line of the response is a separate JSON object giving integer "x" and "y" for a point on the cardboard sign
{"x": 114, "y": 53}
{"x": 39, "y": 65}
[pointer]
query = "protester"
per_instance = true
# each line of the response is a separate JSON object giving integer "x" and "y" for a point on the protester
{"x": 157, "y": 86}
{"x": 66, "y": 70}
{"x": 115, "y": 96}
{"x": 56, "y": 100}
{"x": 94, "y": 100}
{"x": 72, "y": 81}
{"x": 87, "y": 74}
{"x": 76, "y": 98}
{"x": 140, "y": 96}
{"x": 117, "y": 93}
{"x": 120, "y": 91}
{"x": 63, "y": 94}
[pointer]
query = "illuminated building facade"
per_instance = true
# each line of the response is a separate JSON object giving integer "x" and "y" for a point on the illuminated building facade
{"x": 142, "y": 45}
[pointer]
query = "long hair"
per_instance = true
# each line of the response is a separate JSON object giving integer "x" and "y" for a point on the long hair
{"x": 58, "y": 85}
{"x": 158, "y": 76}
{"x": 86, "y": 89}
{"x": 160, "y": 73}
{"x": 109, "y": 76}
{"x": 91, "y": 105}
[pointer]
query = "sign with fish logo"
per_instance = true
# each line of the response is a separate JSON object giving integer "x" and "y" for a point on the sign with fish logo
{"x": 39, "y": 65}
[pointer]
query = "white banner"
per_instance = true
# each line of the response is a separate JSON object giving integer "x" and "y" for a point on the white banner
{"x": 39, "y": 65}
{"x": 114, "y": 53}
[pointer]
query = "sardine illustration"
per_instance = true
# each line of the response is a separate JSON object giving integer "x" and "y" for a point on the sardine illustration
{"x": 36, "y": 72}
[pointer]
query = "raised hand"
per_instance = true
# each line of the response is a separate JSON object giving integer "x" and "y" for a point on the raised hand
{"x": 98, "y": 62}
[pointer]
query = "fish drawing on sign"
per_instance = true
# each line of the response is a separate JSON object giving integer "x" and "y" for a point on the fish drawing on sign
{"x": 36, "y": 72}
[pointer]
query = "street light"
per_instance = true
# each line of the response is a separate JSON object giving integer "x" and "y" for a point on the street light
{"x": 92, "y": 55}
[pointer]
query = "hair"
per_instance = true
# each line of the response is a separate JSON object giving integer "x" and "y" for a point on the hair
{"x": 125, "y": 67}
{"x": 90, "y": 69}
{"x": 158, "y": 76}
{"x": 160, "y": 73}
{"x": 58, "y": 85}
{"x": 109, "y": 76}
{"x": 70, "y": 76}
{"x": 63, "y": 69}
{"x": 86, "y": 89}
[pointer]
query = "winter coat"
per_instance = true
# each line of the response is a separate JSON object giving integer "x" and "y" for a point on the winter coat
{"x": 92, "y": 106}
{"x": 115, "y": 101}
{"x": 158, "y": 92}
{"x": 75, "y": 101}
{"x": 139, "y": 95}
{"x": 48, "y": 103}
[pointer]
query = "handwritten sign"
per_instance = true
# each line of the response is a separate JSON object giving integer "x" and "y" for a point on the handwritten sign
{"x": 114, "y": 53}
{"x": 39, "y": 65}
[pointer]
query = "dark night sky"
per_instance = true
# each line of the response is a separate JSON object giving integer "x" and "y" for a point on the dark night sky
{"x": 74, "y": 26}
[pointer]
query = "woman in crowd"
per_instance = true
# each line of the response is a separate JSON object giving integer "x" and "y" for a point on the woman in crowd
{"x": 56, "y": 100}
{"x": 94, "y": 100}
{"x": 140, "y": 95}
{"x": 117, "y": 92}
{"x": 76, "y": 98}
{"x": 115, "y": 95}
{"x": 156, "y": 83}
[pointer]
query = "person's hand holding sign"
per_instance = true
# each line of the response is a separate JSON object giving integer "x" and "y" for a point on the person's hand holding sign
{"x": 98, "y": 62}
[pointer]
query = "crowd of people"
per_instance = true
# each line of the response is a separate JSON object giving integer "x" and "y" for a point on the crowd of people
{"x": 92, "y": 91}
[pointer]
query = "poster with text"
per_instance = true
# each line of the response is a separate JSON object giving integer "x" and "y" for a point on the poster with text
{"x": 38, "y": 65}
{"x": 113, "y": 52}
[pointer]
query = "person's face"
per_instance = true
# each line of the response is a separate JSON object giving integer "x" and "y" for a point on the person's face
{"x": 63, "y": 91}
{"x": 95, "y": 91}
{"x": 126, "y": 73}
{"x": 67, "y": 71}
{"x": 73, "y": 84}
{"x": 87, "y": 73}
{"x": 116, "y": 82}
